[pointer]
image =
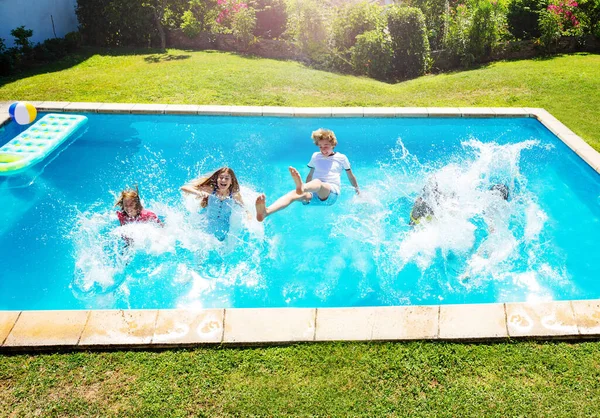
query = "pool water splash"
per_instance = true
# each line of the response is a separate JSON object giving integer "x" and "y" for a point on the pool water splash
{"x": 180, "y": 260}
{"x": 475, "y": 237}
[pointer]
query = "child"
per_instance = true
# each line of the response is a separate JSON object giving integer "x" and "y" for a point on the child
{"x": 218, "y": 193}
{"x": 325, "y": 166}
{"x": 132, "y": 210}
{"x": 423, "y": 207}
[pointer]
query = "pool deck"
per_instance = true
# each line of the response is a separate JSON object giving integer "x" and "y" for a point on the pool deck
{"x": 159, "y": 328}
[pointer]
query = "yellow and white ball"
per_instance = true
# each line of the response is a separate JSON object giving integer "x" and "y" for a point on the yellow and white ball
{"x": 22, "y": 112}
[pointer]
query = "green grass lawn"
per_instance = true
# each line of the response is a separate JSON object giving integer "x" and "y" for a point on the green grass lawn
{"x": 334, "y": 379}
{"x": 398, "y": 379}
{"x": 566, "y": 86}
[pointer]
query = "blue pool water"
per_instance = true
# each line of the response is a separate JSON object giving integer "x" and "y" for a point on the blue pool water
{"x": 61, "y": 247}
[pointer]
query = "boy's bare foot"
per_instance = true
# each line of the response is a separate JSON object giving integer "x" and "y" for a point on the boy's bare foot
{"x": 297, "y": 180}
{"x": 261, "y": 208}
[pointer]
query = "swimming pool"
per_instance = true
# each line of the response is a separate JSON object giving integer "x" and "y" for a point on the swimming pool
{"x": 60, "y": 242}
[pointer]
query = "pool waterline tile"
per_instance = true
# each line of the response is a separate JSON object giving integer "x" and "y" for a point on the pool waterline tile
{"x": 477, "y": 112}
{"x": 587, "y": 316}
{"x": 119, "y": 328}
{"x": 347, "y": 112}
{"x": 312, "y": 112}
{"x": 188, "y": 326}
{"x": 182, "y": 109}
{"x": 50, "y": 106}
{"x": 246, "y": 111}
{"x": 412, "y": 112}
{"x": 444, "y": 112}
{"x": 384, "y": 323}
{"x": 269, "y": 325}
{"x": 473, "y": 322}
{"x": 148, "y": 109}
{"x": 510, "y": 112}
{"x": 542, "y": 319}
{"x": 116, "y": 108}
{"x": 8, "y": 319}
{"x": 215, "y": 110}
{"x": 379, "y": 112}
{"x": 82, "y": 107}
{"x": 47, "y": 328}
{"x": 277, "y": 111}
{"x": 584, "y": 150}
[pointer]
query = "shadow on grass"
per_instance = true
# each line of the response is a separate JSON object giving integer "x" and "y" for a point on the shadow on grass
{"x": 164, "y": 57}
{"x": 154, "y": 55}
{"x": 65, "y": 63}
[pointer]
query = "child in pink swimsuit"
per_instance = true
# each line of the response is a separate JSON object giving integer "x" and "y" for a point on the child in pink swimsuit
{"x": 132, "y": 210}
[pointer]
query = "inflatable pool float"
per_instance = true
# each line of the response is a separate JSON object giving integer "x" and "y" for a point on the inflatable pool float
{"x": 37, "y": 142}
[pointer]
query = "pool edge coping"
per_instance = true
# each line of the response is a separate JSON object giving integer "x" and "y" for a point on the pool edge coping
{"x": 167, "y": 328}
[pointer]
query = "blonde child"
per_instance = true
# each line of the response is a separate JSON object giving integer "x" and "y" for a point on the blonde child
{"x": 218, "y": 193}
{"x": 322, "y": 186}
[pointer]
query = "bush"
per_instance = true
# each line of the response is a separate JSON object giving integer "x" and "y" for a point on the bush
{"x": 435, "y": 12}
{"x": 566, "y": 12}
{"x": 22, "y": 36}
{"x": 116, "y": 22}
{"x": 50, "y": 50}
{"x": 190, "y": 25}
{"x": 372, "y": 53}
{"x": 560, "y": 19}
{"x": 457, "y": 40}
{"x": 72, "y": 41}
{"x": 271, "y": 16}
{"x": 522, "y": 17}
{"x": 205, "y": 12}
{"x": 409, "y": 42}
{"x": 242, "y": 25}
{"x": 352, "y": 20}
{"x": 25, "y": 56}
{"x": 306, "y": 27}
{"x": 590, "y": 10}
{"x": 483, "y": 33}
{"x": 6, "y": 62}
{"x": 549, "y": 24}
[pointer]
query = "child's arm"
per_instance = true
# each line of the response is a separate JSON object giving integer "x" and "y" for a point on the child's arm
{"x": 238, "y": 199}
{"x": 310, "y": 175}
{"x": 353, "y": 180}
{"x": 191, "y": 189}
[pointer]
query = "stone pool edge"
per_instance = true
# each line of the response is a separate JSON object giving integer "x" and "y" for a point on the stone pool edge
{"x": 163, "y": 328}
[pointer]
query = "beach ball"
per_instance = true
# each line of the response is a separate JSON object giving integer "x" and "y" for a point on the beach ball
{"x": 22, "y": 112}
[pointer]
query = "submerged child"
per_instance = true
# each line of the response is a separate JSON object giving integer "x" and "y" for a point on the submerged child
{"x": 322, "y": 186}
{"x": 218, "y": 193}
{"x": 423, "y": 206}
{"x": 132, "y": 209}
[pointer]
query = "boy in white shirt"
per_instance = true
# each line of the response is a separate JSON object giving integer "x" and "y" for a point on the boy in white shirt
{"x": 323, "y": 183}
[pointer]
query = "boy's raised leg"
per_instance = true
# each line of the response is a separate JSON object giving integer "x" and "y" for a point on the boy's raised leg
{"x": 261, "y": 209}
{"x": 297, "y": 180}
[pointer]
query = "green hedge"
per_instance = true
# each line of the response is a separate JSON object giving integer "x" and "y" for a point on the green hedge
{"x": 409, "y": 42}
{"x": 116, "y": 23}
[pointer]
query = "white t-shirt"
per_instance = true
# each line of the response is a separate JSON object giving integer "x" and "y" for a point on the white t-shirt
{"x": 328, "y": 169}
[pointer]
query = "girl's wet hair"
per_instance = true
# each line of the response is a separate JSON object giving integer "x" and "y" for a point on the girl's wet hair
{"x": 324, "y": 134}
{"x": 212, "y": 182}
{"x": 130, "y": 194}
